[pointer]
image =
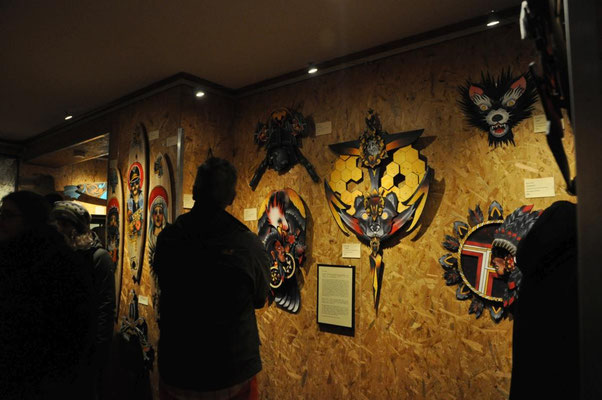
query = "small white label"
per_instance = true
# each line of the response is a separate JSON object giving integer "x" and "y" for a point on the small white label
{"x": 188, "y": 201}
{"x": 153, "y": 135}
{"x": 143, "y": 300}
{"x": 540, "y": 124}
{"x": 250, "y": 214}
{"x": 113, "y": 164}
{"x": 100, "y": 210}
{"x": 540, "y": 187}
{"x": 323, "y": 128}
{"x": 171, "y": 141}
{"x": 351, "y": 250}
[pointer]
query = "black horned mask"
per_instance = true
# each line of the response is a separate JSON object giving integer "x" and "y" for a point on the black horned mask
{"x": 498, "y": 105}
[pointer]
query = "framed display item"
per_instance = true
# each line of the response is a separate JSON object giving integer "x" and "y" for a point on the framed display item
{"x": 336, "y": 296}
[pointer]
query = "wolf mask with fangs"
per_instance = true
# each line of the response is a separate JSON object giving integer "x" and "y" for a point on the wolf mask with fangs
{"x": 498, "y": 105}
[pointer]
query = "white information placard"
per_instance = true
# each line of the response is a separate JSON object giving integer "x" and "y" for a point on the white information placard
{"x": 323, "y": 128}
{"x": 351, "y": 250}
{"x": 188, "y": 201}
{"x": 540, "y": 124}
{"x": 336, "y": 289}
{"x": 539, "y": 187}
{"x": 250, "y": 214}
{"x": 171, "y": 141}
{"x": 153, "y": 135}
{"x": 143, "y": 300}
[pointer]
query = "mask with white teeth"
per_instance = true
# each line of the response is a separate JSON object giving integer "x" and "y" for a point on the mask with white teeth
{"x": 496, "y": 105}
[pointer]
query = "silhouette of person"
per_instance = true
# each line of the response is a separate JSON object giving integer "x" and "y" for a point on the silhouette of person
{"x": 46, "y": 306}
{"x": 73, "y": 221}
{"x": 210, "y": 262}
{"x": 545, "y": 338}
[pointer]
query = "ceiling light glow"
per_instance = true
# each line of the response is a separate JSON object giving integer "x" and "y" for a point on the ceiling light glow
{"x": 492, "y": 20}
{"x": 312, "y": 70}
{"x": 199, "y": 93}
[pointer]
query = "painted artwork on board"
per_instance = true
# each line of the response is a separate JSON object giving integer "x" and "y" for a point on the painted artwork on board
{"x": 114, "y": 227}
{"x": 496, "y": 105}
{"x": 137, "y": 185}
{"x": 281, "y": 228}
{"x": 94, "y": 189}
{"x": 281, "y": 136}
{"x": 160, "y": 216}
{"x": 395, "y": 192}
{"x": 482, "y": 262}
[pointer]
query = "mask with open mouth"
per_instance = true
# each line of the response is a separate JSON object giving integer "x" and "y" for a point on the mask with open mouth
{"x": 496, "y": 105}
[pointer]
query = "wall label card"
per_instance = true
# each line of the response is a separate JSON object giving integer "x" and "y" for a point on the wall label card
{"x": 250, "y": 214}
{"x": 188, "y": 201}
{"x": 143, "y": 300}
{"x": 540, "y": 124}
{"x": 539, "y": 187}
{"x": 153, "y": 135}
{"x": 171, "y": 141}
{"x": 323, "y": 128}
{"x": 351, "y": 250}
{"x": 336, "y": 295}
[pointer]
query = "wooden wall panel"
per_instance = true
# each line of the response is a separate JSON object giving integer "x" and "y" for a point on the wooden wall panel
{"x": 205, "y": 122}
{"x": 158, "y": 113}
{"x": 423, "y": 344}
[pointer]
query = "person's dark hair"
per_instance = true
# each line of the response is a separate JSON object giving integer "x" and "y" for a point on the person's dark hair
{"x": 215, "y": 181}
{"x": 52, "y": 198}
{"x": 33, "y": 207}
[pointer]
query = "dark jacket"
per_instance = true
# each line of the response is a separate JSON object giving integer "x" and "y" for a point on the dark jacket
{"x": 103, "y": 274}
{"x": 46, "y": 318}
{"x": 545, "y": 335}
{"x": 212, "y": 272}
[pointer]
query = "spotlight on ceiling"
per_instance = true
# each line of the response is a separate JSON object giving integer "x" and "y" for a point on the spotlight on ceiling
{"x": 68, "y": 115}
{"x": 492, "y": 20}
{"x": 312, "y": 69}
{"x": 199, "y": 93}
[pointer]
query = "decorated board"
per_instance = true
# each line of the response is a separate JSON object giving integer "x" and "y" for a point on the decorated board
{"x": 395, "y": 198}
{"x": 137, "y": 188}
{"x": 281, "y": 136}
{"x": 496, "y": 105}
{"x": 281, "y": 228}
{"x": 114, "y": 227}
{"x": 482, "y": 262}
{"x": 160, "y": 212}
{"x": 94, "y": 189}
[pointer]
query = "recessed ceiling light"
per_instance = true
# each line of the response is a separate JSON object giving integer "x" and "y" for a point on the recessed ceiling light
{"x": 312, "y": 70}
{"x": 492, "y": 20}
{"x": 199, "y": 93}
{"x": 68, "y": 116}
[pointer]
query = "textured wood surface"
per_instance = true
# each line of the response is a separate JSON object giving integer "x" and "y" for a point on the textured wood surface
{"x": 423, "y": 344}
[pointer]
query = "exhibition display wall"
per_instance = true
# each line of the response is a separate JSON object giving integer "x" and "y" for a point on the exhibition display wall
{"x": 421, "y": 342}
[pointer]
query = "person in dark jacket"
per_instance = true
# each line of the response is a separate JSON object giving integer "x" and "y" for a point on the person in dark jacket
{"x": 73, "y": 221}
{"x": 209, "y": 262}
{"x": 46, "y": 314}
{"x": 545, "y": 363}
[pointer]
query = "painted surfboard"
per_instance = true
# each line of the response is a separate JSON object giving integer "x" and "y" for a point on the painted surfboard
{"x": 160, "y": 212}
{"x": 137, "y": 189}
{"x": 114, "y": 226}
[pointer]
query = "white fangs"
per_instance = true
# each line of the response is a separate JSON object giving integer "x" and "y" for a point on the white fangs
{"x": 498, "y": 130}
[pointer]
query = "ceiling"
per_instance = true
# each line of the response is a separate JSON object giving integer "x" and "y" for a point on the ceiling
{"x": 80, "y": 55}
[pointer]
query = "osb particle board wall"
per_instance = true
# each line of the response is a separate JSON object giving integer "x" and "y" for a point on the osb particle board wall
{"x": 204, "y": 123}
{"x": 423, "y": 344}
